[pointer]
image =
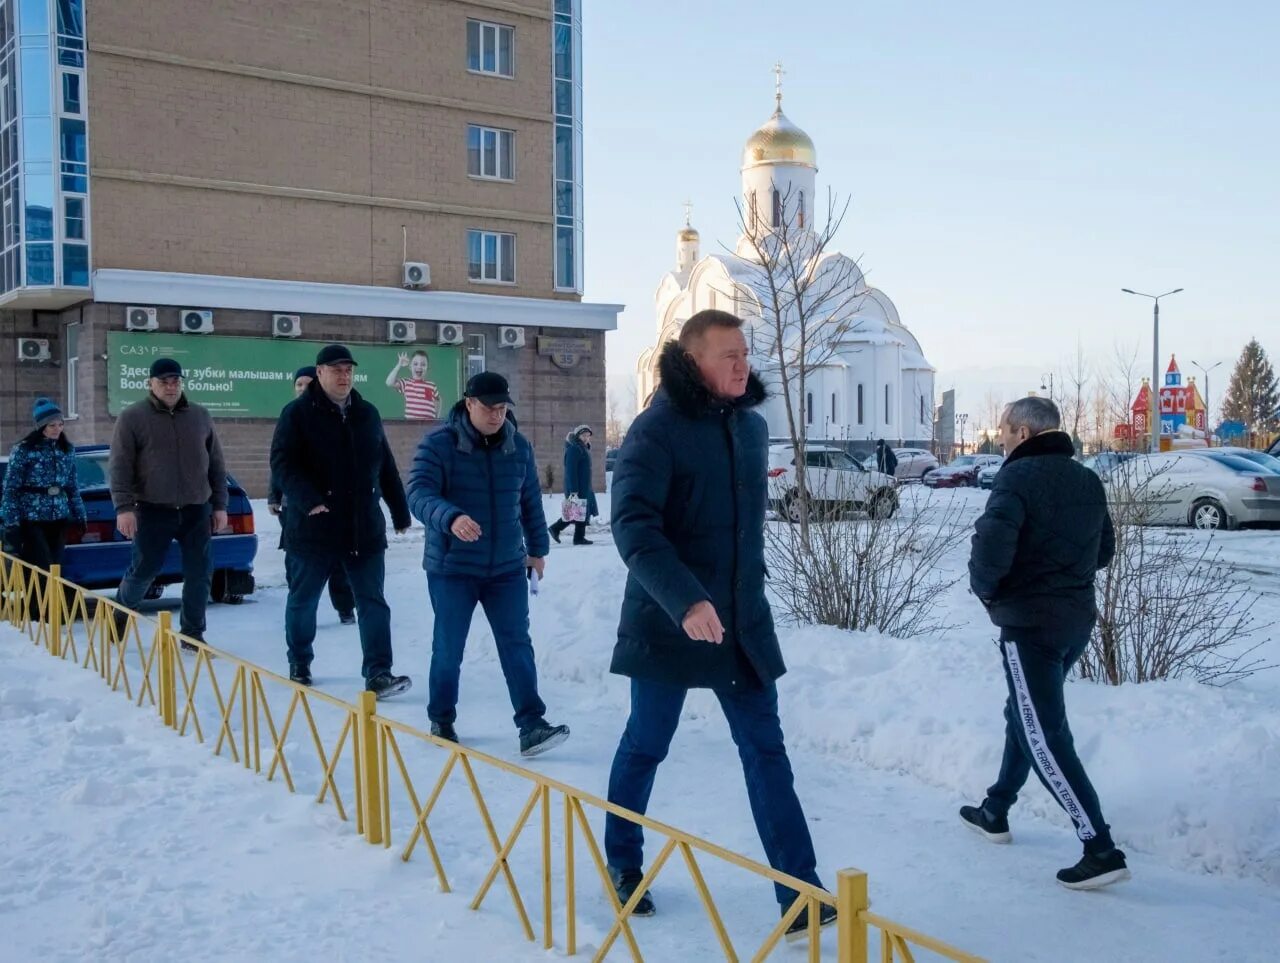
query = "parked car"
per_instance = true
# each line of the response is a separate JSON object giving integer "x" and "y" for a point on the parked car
{"x": 1269, "y": 462}
{"x": 835, "y": 480}
{"x": 1186, "y": 488}
{"x": 97, "y": 557}
{"x": 913, "y": 463}
{"x": 1274, "y": 450}
{"x": 1106, "y": 461}
{"x": 987, "y": 476}
{"x": 961, "y": 472}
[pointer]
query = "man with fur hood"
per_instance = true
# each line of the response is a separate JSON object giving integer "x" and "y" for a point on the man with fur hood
{"x": 688, "y": 519}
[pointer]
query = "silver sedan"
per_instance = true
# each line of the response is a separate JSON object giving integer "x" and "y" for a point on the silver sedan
{"x": 1184, "y": 488}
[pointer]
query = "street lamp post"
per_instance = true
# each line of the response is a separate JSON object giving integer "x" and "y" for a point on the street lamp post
{"x": 962, "y": 418}
{"x": 1153, "y": 415}
{"x": 1208, "y": 406}
{"x": 1049, "y": 378}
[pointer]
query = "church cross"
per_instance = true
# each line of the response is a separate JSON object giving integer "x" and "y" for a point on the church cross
{"x": 777, "y": 73}
{"x": 688, "y": 213}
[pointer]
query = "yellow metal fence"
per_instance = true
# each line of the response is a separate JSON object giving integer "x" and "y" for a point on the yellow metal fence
{"x": 221, "y": 698}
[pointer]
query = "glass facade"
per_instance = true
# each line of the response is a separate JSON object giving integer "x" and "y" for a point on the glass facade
{"x": 44, "y": 146}
{"x": 566, "y": 55}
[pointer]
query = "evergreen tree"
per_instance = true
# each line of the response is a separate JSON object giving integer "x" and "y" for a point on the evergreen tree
{"x": 1253, "y": 395}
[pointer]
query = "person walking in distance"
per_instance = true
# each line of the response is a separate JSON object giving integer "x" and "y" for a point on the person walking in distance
{"x": 340, "y": 594}
{"x": 886, "y": 460}
{"x": 41, "y": 499}
{"x": 168, "y": 482}
{"x": 335, "y": 468}
{"x": 474, "y": 486}
{"x": 577, "y": 484}
{"x": 1045, "y": 533}
{"x": 689, "y": 494}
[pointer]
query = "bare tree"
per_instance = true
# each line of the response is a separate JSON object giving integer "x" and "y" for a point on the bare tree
{"x": 1073, "y": 403}
{"x": 807, "y": 299}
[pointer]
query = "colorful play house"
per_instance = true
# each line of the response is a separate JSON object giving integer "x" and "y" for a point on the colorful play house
{"x": 1180, "y": 406}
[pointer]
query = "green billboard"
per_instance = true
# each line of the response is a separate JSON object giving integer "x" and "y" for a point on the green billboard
{"x": 253, "y": 377}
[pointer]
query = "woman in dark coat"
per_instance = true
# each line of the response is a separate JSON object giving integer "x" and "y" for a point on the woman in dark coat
{"x": 577, "y": 481}
{"x": 41, "y": 499}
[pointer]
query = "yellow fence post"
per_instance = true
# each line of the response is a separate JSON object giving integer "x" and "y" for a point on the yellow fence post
{"x": 166, "y": 679}
{"x": 370, "y": 788}
{"x": 53, "y": 603}
{"x": 851, "y": 926}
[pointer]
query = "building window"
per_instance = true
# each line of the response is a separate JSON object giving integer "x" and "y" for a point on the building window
{"x": 777, "y": 208}
{"x": 490, "y": 153}
{"x": 922, "y": 409}
{"x": 73, "y": 218}
{"x": 800, "y": 210}
{"x": 75, "y": 265}
{"x": 475, "y": 354}
{"x": 835, "y": 419}
{"x": 887, "y": 420}
{"x": 71, "y": 93}
{"x": 808, "y": 408}
{"x": 491, "y": 48}
{"x": 859, "y": 404}
{"x": 71, "y": 339}
{"x": 491, "y": 257}
{"x": 754, "y": 214}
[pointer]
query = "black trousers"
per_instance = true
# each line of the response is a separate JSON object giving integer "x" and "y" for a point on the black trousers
{"x": 1038, "y": 737}
{"x": 41, "y": 544}
{"x": 579, "y": 529}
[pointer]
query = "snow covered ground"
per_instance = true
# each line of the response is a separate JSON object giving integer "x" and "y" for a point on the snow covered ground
{"x": 119, "y": 841}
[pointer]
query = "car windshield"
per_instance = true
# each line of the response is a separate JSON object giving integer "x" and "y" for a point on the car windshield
{"x": 91, "y": 470}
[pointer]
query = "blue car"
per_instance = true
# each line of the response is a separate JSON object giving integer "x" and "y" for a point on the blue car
{"x": 97, "y": 557}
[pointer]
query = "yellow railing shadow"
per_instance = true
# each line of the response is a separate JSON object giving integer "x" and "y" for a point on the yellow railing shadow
{"x": 241, "y": 722}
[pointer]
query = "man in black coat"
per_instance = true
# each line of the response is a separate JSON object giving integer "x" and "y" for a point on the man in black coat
{"x": 334, "y": 466}
{"x": 1044, "y": 535}
{"x": 689, "y": 495}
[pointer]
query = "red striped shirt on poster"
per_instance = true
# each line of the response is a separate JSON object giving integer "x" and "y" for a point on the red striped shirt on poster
{"x": 421, "y": 399}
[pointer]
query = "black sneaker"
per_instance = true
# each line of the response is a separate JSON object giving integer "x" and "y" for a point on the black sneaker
{"x": 536, "y": 741}
{"x": 385, "y": 685}
{"x": 799, "y": 929}
{"x": 986, "y": 823}
{"x": 444, "y": 730}
{"x": 347, "y": 618}
{"x": 554, "y": 533}
{"x": 625, "y": 883}
{"x": 583, "y": 541}
{"x": 1095, "y": 870}
{"x": 187, "y": 646}
{"x": 300, "y": 674}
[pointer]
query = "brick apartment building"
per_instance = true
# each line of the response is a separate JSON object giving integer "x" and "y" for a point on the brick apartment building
{"x": 238, "y": 182}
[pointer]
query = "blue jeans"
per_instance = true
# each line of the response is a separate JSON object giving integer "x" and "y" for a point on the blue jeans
{"x": 158, "y": 527}
{"x": 1037, "y": 733}
{"x": 757, "y": 732}
{"x": 505, "y": 600}
{"x": 306, "y": 575}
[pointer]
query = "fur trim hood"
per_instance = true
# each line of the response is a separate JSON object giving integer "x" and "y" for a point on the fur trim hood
{"x": 683, "y": 385}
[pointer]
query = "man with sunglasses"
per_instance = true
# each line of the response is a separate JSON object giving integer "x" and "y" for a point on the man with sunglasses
{"x": 168, "y": 483}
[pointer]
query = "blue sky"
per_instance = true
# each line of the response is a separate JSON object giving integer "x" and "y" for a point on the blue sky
{"x": 1011, "y": 166}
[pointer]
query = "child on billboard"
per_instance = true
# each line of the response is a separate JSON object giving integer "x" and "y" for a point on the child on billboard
{"x": 421, "y": 397}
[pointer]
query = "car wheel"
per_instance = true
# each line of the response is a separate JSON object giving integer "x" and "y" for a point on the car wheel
{"x": 791, "y": 509}
{"x": 1208, "y": 515}
{"x": 883, "y": 504}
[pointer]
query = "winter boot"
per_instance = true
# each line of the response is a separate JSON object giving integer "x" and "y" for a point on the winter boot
{"x": 625, "y": 883}
{"x": 384, "y": 685}
{"x": 300, "y": 674}
{"x": 799, "y": 929}
{"x": 445, "y": 731}
{"x": 555, "y": 529}
{"x": 536, "y": 741}
{"x": 347, "y": 618}
{"x": 1095, "y": 870}
{"x": 986, "y": 823}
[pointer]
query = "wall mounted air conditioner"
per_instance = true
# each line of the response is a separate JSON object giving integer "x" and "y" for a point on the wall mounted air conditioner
{"x": 33, "y": 349}
{"x": 191, "y": 321}
{"x": 402, "y": 332}
{"x": 286, "y": 326}
{"x": 417, "y": 274}
{"x": 510, "y": 337}
{"x": 140, "y": 319}
{"x": 449, "y": 333}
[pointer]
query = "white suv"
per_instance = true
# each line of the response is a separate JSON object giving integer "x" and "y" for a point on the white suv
{"x": 836, "y": 482}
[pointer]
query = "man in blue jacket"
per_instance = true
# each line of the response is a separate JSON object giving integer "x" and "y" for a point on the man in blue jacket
{"x": 689, "y": 494}
{"x": 1045, "y": 533}
{"x": 474, "y": 485}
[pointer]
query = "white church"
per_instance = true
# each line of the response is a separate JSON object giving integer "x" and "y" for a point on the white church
{"x": 872, "y": 382}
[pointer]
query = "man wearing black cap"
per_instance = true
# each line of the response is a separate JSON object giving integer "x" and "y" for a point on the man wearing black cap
{"x": 335, "y": 466}
{"x": 474, "y": 485}
{"x": 340, "y": 595}
{"x": 168, "y": 482}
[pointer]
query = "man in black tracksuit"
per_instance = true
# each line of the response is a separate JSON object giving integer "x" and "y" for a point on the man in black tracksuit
{"x": 1045, "y": 533}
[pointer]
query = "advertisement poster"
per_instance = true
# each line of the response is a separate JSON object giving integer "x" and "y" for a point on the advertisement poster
{"x": 253, "y": 377}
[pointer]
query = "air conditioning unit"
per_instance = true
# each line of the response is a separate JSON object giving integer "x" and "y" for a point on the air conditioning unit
{"x": 140, "y": 319}
{"x": 416, "y": 274}
{"x": 195, "y": 322}
{"x": 448, "y": 333}
{"x": 402, "y": 332}
{"x": 33, "y": 349}
{"x": 286, "y": 326}
{"x": 510, "y": 337}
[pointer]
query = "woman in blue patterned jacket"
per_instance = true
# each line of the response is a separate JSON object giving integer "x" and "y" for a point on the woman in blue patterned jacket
{"x": 41, "y": 495}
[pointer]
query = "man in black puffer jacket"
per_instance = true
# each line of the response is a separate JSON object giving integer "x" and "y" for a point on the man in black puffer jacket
{"x": 689, "y": 495}
{"x": 334, "y": 467}
{"x": 1044, "y": 535}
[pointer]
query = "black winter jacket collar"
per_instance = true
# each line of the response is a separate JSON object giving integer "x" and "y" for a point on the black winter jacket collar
{"x": 1046, "y": 443}
{"x": 682, "y": 383}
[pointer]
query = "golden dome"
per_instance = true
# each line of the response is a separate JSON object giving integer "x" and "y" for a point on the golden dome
{"x": 687, "y": 234}
{"x": 779, "y": 141}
